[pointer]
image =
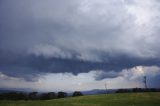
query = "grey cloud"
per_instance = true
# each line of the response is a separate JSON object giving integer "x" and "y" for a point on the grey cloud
{"x": 31, "y": 66}
{"x": 126, "y": 78}
{"x": 135, "y": 74}
{"x": 80, "y": 26}
{"x": 132, "y": 73}
{"x": 110, "y": 74}
{"x": 77, "y": 36}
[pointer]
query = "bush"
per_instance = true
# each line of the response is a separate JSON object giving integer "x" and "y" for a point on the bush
{"x": 77, "y": 93}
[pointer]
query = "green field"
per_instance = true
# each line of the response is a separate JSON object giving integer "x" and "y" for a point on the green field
{"x": 122, "y": 99}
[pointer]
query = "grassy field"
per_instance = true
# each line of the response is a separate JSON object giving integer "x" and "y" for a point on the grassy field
{"x": 123, "y": 99}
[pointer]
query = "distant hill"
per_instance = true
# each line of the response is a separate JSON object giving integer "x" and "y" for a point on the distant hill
{"x": 89, "y": 92}
{"x": 6, "y": 90}
{"x": 99, "y": 91}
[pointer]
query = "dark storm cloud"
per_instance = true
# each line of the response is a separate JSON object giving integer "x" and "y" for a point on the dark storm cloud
{"x": 37, "y": 37}
{"x": 31, "y": 66}
{"x": 154, "y": 82}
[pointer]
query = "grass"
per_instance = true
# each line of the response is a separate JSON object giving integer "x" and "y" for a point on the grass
{"x": 122, "y": 99}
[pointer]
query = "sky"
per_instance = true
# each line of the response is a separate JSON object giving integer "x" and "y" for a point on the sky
{"x": 68, "y": 45}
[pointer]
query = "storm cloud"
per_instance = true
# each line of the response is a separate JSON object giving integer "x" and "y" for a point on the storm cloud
{"x": 76, "y": 36}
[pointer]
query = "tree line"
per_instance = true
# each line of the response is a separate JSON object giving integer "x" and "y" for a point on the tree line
{"x": 138, "y": 90}
{"x": 36, "y": 95}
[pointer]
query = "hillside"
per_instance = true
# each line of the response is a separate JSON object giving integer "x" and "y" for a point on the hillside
{"x": 122, "y": 99}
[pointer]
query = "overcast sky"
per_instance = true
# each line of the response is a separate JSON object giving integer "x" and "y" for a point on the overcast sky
{"x": 52, "y": 45}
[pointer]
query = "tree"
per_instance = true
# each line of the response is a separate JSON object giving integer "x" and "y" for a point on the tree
{"x": 77, "y": 93}
{"x": 13, "y": 96}
{"x": 62, "y": 94}
{"x": 50, "y": 95}
{"x": 33, "y": 95}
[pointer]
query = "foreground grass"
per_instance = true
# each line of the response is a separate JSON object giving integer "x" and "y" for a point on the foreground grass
{"x": 123, "y": 99}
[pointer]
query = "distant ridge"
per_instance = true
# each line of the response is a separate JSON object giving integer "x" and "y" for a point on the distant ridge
{"x": 99, "y": 91}
{"x": 6, "y": 90}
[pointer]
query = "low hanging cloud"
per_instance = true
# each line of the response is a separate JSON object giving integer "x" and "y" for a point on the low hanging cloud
{"x": 131, "y": 73}
{"x": 127, "y": 78}
{"x": 50, "y": 51}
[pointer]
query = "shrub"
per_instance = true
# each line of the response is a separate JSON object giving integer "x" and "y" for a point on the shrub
{"x": 77, "y": 93}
